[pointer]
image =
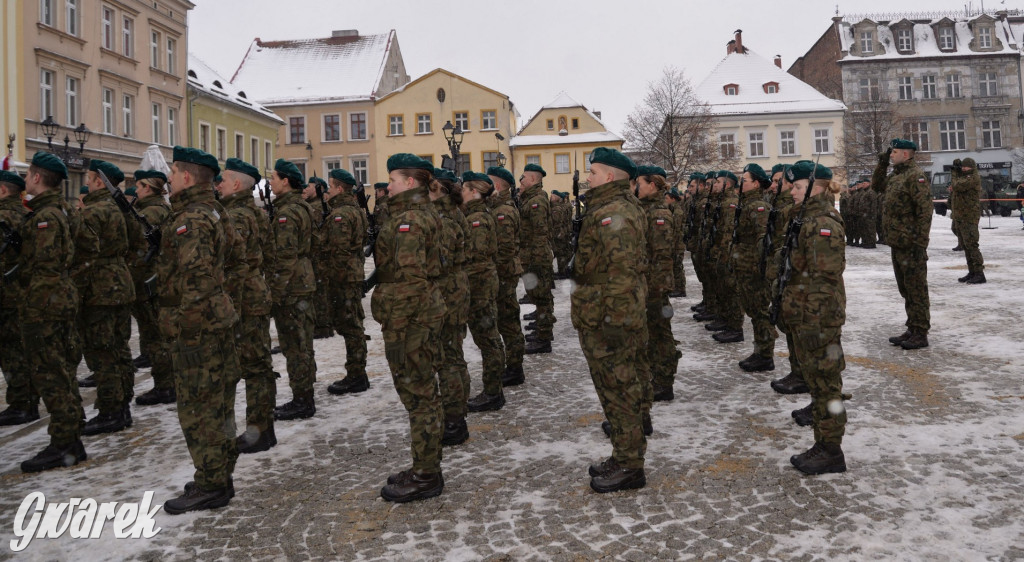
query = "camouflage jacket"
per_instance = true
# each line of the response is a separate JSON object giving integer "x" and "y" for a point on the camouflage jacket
{"x": 193, "y": 247}
{"x": 660, "y": 245}
{"x": 156, "y": 211}
{"x": 290, "y": 275}
{"x": 693, "y": 233}
{"x": 535, "y": 235}
{"x": 710, "y": 204}
{"x": 782, "y": 207}
{"x": 722, "y": 240}
{"x": 344, "y": 235}
{"x": 679, "y": 224}
{"x": 561, "y": 223}
{"x": 508, "y": 224}
{"x": 815, "y": 296}
{"x": 47, "y": 250}
{"x": 965, "y": 197}
{"x": 750, "y": 231}
{"x": 481, "y": 240}
{"x": 13, "y": 213}
{"x": 380, "y": 212}
{"x": 611, "y": 262}
{"x": 907, "y": 205}
{"x": 454, "y": 281}
{"x": 99, "y": 269}
{"x": 245, "y": 282}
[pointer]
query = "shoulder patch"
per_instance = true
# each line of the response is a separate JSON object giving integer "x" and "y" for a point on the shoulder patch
{"x": 42, "y": 225}
{"x": 501, "y": 217}
{"x": 606, "y": 221}
{"x": 181, "y": 230}
{"x": 660, "y": 222}
{"x": 921, "y": 180}
{"x": 403, "y": 228}
{"x": 825, "y": 232}
{"x": 338, "y": 219}
{"x": 732, "y": 205}
{"x": 282, "y": 220}
{"x": 476, "y": 224}
{"x": 216, "y": 214}
{"x": 760, "y": 209}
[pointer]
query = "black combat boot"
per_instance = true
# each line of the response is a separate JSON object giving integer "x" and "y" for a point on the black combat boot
{"x": 704, "y": 316}
{"x": 648, "y": 427}
{"x": 790, "y": 384}
{"x": 197, "y": 499}
{"x": 820, "y": 459}
{"x": 455, "y": 431}
{"x": 663, "y": 393}
{"x": 976, "y": 279}
{"x": 869, "y": 245}
{"x": 255, "y": 441}
{"x": 525, "y": 300}
{"x": 56, "y": 456}
{"x": 531, "y": 326}
{"x": 965, "y": 277}
{"x": 716, "y": 326}
{"x": 757, "y": 363}
{"x": 484, "y": 402}
{"x": 697, "y": 307}
{"x": 530, "y": 316}
{"x": 142, "y": 361}
{"x": 413, "y": 485}
{"x": 156, "y": 396}
{"x": 729, "y": 336}
{"x": 12, "y": 416}
{"x": 351, "y": 384}
{"x": 531, "y": 337}
{"x": 301, "y": 407}
{"x": 87, "y": 382}
{"x": 677, "y": 294}
{"x": 959, "y": 248}
{"x": 106, "y": 423}
{"x": 231, "y": 486}
{"x": 804, "y": 417}
{"x": 915, "y": 341}
{"x": 275, "y": 350}
{"x": 615, "y": 478}
{"x": 896, "y": 340}
{"x": 538, "y": 346}
{"x": 513, "y": 376}
{"x": 599, "y": 468}
{"x": 323, "y": 333}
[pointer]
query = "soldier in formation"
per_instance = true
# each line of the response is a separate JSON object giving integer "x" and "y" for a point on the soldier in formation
{"x": 679, "y": 204}
{"x": 965, "y": 206}
{"x": 506, "y": 260}
{"x": 315, "y": 196}
{"x": 561, "y": 232}
{"x": 750, "y": 226}
{"x": 536, "y": 256}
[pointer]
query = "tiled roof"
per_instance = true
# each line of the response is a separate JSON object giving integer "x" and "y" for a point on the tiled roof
{"x": 206, "y": 79}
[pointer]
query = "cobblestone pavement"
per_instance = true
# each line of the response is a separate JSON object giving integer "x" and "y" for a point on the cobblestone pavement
{"x": 936, "y": 470}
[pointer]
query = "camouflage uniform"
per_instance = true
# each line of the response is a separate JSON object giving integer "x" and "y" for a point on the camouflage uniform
{"x": 197, "y": 316}
{"x": 454, "y": 284}
{"x": 13, "y": 362}
{"x": 47, "y": 311}
{"x": 380, "y": 212}
{"x": 782, "y": 207}
{"x": 754, "y": 291}
{"x": 869, "y": 217}
{"x": 535, "y": 254}
{"x": 322, "y": 312}
{"x": 693, "y": 238}
{"x": 292, "y": 286}
{"x": 727, "y": 301}
{"x": 659, "y": 361}
{"x": 965, "y": 207}
{"x": 846, "y": 212}
{"x": 344, "y": 235}
{"x": 609, "y": 313}
{"x": 107, "y": 292}
{"x": 907, "y": 220}
{"x": 409, "y": 306}
{"x": 151, "y": 343}
{"x": 561, "y": 233}
{"x": 507, "y": 219}
{"x": 679, "y": 226}
{"x": 712, "y": 207}
{"x": 481, "y": 247}
{"x": 814, "y": 311}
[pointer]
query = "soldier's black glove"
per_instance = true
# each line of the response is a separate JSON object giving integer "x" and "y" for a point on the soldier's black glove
{"x": 11, "y": 239}
{"x": 883, "y": 158}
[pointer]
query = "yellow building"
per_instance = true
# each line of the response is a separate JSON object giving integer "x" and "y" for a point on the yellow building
{"x": 411, "y": 119}
{"x": 12, "y": 78}
{"x": 560, "y": 138}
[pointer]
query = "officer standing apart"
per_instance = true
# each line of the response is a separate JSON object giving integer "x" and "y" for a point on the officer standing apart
{"x": 965, "y": 204}
{"x": 907, "y": 220}
{"x": 510, "y": 269}
{"x": 536, "y": 255}
{"x": 608, "y": 311}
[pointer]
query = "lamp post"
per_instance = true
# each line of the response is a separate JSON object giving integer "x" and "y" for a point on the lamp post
{"x": 66, "y": 153}
{"x": 309, "y": 149}
{"x": 453, "y": 135}
{"x": 501, "y": 157}
{"x": 501, "y": 160}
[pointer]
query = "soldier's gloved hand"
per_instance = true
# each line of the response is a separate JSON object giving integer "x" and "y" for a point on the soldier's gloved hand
{"x": 883, "y": 158}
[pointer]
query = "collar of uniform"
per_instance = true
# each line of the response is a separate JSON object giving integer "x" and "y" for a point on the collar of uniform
{"x": 189, "y": 195}
{"x": 235, "y": 199}
{"x": 499, "y": 198}
{"x": 819, "y": 201}
{"x": 10, "y": 203}
{"x": 407, "y": 200}
{"x": 46, "y": 199}
{"x": 475, "y": 206}
{"x": 903, "y": 166}
{"x": 149, "y": 201}
{"x": 342, "y": 199}
{"x": 605, "y": 192}
{"x": 532, "y": 191}
{"x": 94, "y": 197}
{"x": 292, "y": 196}
{"x": 443, "y": 204}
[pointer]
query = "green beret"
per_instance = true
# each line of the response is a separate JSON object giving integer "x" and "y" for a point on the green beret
{"x": 697, "y": 176}
{"x": 243, "y": 167}
{"x": 130, "y": 192}
{"x": 903, "y": 144}
{"x": 651, "y": 171}
{"x": 562, "y": 194}
{"x": 674, "y": 193}
{"x": 381, "y": 185}
{"x": 218, "y": 179}
{"x": 318, "y": 181}
{"x": 288, "y": 170}
{"x": 499, "y": 172}
{"x": 475, "y": 176}
{"x": 150, "y": 174}
{"x": 756, "y": 172}
{"x": 113, "y": 173}
{"x": 405, "y": 160}
{"x": 778, "y": 168}
{"x": 343, "y": 176}
{"x": 195, "y": 156}
{"x": 728, "y": 174}
{"x": 47, "y": 161}
{"x": 84, "y": 190}
{"x": 535, "y": 168}
{"x": 711, "y": 175}
{"x": 447, "y": 175}
{"x": 12, "y": 178}
{"x": 804, "y": 169}
{"x": 613, "y": 158}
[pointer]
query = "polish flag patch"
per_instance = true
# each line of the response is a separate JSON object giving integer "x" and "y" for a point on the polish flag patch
{"x": 42, "y": 225}
{"x": 501, "y": 217}
{"x": 282, "y": 220}
{"x": 181, "y": 230}
{"x": 660, "y": 222}
{"x": 476, "y": 224}
{"x": 825, "y": 232}
{"x": 920, "y": 180}
{"x": 760, "y": 209}
{"x": 337, "y": 219}
{"x": 403, "y": 228}
{"x": 606, "y": 221}
{"x": 534, "y": 206}
{"x": 732, "y": 205}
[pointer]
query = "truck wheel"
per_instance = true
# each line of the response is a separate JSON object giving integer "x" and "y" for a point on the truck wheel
{"x": 1004, "y": 211}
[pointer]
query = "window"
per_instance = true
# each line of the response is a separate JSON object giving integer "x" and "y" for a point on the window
{"x": 561, "y": 163}
{"x": 127, "y": 105}
{"x": 488, "y": 120}
{"x": 952, "y": 85}
{"x": 822, "y": 141}
{"x": 296, "y": 130}
{"x": 154, "y": 49}
{"x": 240, "y": 146}
{"x": 756, "y": 144}
{"x": 359, "y": 168}
{"x": 172, "y": 48}
{"x": 787, "y": 143}
{"x": 905, "y": 84}
{"x": 423, "y": 126}
{"x": 46, "y": 12}
{"x": 533, "y": 159}
{"x": 332, "y": 128}
{"x": 904, "y": 40}
{"x": 172, "y": 131}
{"x": 462, "y": 120}
{"x": 575, "y": 123}
{"x": 946, "y": 38}
{"x": 45, "y": 94}
{"x": 951, "y": 135}
{"x": 222, "y": 143}
{"x": 71, "y": 94}
{"x": 108, "y": 29}
{"x": 732, "y": 90}
{"x": 71, "y": 15}
{"x": 991, "y": 136}
{"x": 928, "y": 87}
{"x": 108, "y": 111}
{"x": 985, "y": 37}
{"x": 128, "y": 38}
{"x": 586, "y": 162}
{"x": 917, "y": 131}
{"x": 987, "y": 84}
{"x": 727, "y": 145}
{"x": 551, "y": 124}
{"x": 267, "y": 157}
{"x": 869, "y": 89}
{"x": 771, "y": 88}
{"x": 867, "y": 42}
{"x": 254, "y": 151}
{"x": 157, "y": 112}
{"x": 490, "y": 159}
{"x": 204, "y": 137}
{"x": 357, "y": 122}
{"x": 396, "y": 126}
{"x": 301, "y": 166}
{"x": 331, "y": 165}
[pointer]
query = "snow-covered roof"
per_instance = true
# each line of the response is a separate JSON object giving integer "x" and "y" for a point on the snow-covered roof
{"x": 750, "y": 72}
{"x": 206, "y": 79}
{"x": 926, "y": 44}
{"x": 581, "y": 138}
{"x": 344, "y": 68}
{"x": 562, "y": 101}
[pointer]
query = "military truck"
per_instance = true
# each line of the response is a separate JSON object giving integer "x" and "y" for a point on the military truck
{"x": 940, "y": 191}
{"x": 995, "y": 186}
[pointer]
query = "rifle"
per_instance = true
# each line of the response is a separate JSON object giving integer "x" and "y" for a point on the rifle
{"x": 324, "y": 209}
{"x": 792, "y": 239}
{"x": 371, "y": 231}
{"x": 151, "y": 233}
{"x": 577, "y": 221}
{"x": 769, "y": 232}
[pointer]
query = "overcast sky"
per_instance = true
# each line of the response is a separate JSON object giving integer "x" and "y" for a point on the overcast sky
{"x": 602, "y": 53}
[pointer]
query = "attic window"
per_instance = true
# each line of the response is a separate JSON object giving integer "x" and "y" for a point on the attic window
{"x": 218, "y": 84}
{"x": 731, "y": 89}
{"x": 242, "y": 95}
{"x": 867, "y": 42}
{"x": 192, "y": 74}
{"x": 904, "y": 40}
{"x": 551, "y": 124}
{"x": 771, "y": 87}
{"x": 946, "y": 42}
{"x": 985, "y": 37}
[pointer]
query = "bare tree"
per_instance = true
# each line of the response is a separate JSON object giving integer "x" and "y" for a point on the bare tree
{"x": 869, "y": 126}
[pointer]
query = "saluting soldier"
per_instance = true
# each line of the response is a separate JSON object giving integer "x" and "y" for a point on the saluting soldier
{"x": 292, "y": 287}
{"x": 754, "y": 290}
{"x": 561, "y": 231}
{"x": 321, "y": 304}
{"x": 728, "y": 326}
{"x": 536, "y": 254}
{"x": 510, "y": 269}
{"x": 907, "y": 218}
{"x": 608, "y": 311}
{"x": 965, "y": 205}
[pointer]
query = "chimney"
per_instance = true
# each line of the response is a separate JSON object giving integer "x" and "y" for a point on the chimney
{"x": 345, "y": 33}
{"x": 739, "y": 42}
{"x": 778, "y": 61}
{"x": 730, "y": 47}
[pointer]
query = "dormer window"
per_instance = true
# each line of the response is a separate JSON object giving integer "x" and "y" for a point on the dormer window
{"x": 985, "y": 37}
{"x": 771, "y": 87}
{"x": 867, "y": 42}
{"x": 904, "y": 40}
{"x": 218, "y": 84}
{"x": 732, "y": 89}
{"x": 946, "y": 40}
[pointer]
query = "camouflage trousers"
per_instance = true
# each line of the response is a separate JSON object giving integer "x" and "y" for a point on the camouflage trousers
{"x": 322, "y": 307}
{"x": 660, "y": 351}
{"x": 967, "y": 237}
{"x": 52, "y": 377}
{"x": 854, "y": 227}
{"x": 794, "y": 361}
{"x": 346, "y": 306}
{"x": 678, "y": 270}
{"x": 509, "y": 325}
{"x": 562, "y": 259}
{"x": 698, "y": 269}
{"x": 453, "y": 374}
{"x": 538, "y": 279}
{"x": 294, "y": 322}
{"x": 613, "y": 360}
{"x": 205, "y": 370}
{"x": 911, "y": 268}
{"x": 727, "y": 303}
{"x": 865, "y": 233}
{"x": 483, "y": 326}
{"x": 14, "y": 364}
{"x": 153, "y": 345}
{"x": 105, "y": 331}
{"x": 252, "y": 346}
{"x": 820, "y": 354}
{"x": 754, "y": 294}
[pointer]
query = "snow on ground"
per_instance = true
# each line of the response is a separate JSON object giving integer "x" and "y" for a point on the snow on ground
{"x": 936, "y": 470}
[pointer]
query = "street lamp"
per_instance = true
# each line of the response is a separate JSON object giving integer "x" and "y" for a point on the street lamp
{"x": 501, "y": 160}
{"x": 453, "y": 135}
{"x": 309, "y": 149}
{"x": 81, "y": 132}
{"x": 49, "y": 130}
{"x": 501, "y": 157}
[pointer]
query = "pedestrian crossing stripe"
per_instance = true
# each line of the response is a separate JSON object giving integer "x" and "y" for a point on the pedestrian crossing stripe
{"x": 825, "y": 232}
{"x": 606, "y": 221}
{"x": 403, "y": 228}
{"x": 181, "y": 230}
{"x": 282, "y": 220}
{"x": 501, "y": 217}
{"x": 42, "y": 225}
{"x": 476, "y": 224}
